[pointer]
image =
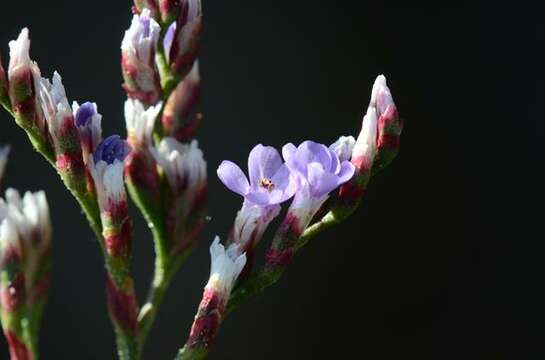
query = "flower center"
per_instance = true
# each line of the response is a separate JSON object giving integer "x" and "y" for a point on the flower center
{"x": 266, "y": 183}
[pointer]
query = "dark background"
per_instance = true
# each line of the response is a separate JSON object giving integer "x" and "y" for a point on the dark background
{"x": 443, "y": 259}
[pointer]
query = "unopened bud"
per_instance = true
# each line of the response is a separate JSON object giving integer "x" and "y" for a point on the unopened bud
{"x": 138, "y": 59}
{"x": 180, "y": 117}
{"x": 187, "y": 38}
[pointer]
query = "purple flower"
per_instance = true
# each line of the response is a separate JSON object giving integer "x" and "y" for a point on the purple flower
{"x": 317, "y": 167}
{"x": 111, "y": 149}
{"x": 270, "y": 179}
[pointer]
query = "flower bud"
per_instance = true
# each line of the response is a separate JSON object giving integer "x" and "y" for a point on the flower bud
{"x": 138, "y": 59}
{"x": 225, "y": 268}
{"x": 140, "y": 167}
{"x": 140, "y": 122}
{"x": 185, "y": 171}
{"x": 184, "y": 48}
{"x": 24, "y": 82}
{"x": 183, "y": 165}
{"x": 180, "y": 116}
{"x": 389, "y": 124}
{"x": 88, "y": 122}
{"x": 106, "y": 168}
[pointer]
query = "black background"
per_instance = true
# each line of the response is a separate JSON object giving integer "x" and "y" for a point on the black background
{"x": 443, "y": 259}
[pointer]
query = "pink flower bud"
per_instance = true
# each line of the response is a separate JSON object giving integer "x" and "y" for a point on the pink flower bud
{"x": 24, "y": 82}
{"x": 138, "y": 59}
{"x": 187, "y": 38}
{"x": 180, "y": 116}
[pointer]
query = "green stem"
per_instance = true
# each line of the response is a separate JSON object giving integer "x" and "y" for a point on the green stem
{"x": 192, "y": 353}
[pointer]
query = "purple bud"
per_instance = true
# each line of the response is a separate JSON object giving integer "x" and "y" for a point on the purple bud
{"x": 112, "y": 148}
{"x": 169, "y": 37}
{"x": 85, "y": 113}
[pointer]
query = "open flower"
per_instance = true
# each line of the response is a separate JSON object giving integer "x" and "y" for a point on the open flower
{"x": 343, "y": 147}
{"x": 317, "y": 167}
{"x": 270, "y": 179}
{"x": 138, "y": 58}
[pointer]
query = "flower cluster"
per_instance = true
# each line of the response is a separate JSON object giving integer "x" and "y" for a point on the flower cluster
{"x": 25, "y": 251}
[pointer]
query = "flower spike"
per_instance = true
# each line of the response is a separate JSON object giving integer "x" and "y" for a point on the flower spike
{"x": 25, "y": 261}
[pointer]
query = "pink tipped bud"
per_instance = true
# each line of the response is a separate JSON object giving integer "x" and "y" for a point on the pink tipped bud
{"x": 186, "y": 39}
{"x": 59, "y": 117}
{"x": 24, "y": 82}
{"x": 389, "y": 125}
{"x": 138, "y": 59}
{"x": 180, "y": 116}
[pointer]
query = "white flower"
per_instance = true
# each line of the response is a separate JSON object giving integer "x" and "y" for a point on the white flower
{"x": 366, "y": 144}
{"x": 381, "y": 97}
{"x": 225, "y": 267}
{"x": 30, "y": 216}
{"x": 4, "y": 152}
{"x": 140, "y": 121}
{"x": 109, "y": 183}
{"x": 9, "y": 237}
{"x": 19, "y": 52}
{"x": 140, "y": 40}
{"x": 54, "y": 105}
{"x": 343, "y": 147}
{"x": 183, "y": 165}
